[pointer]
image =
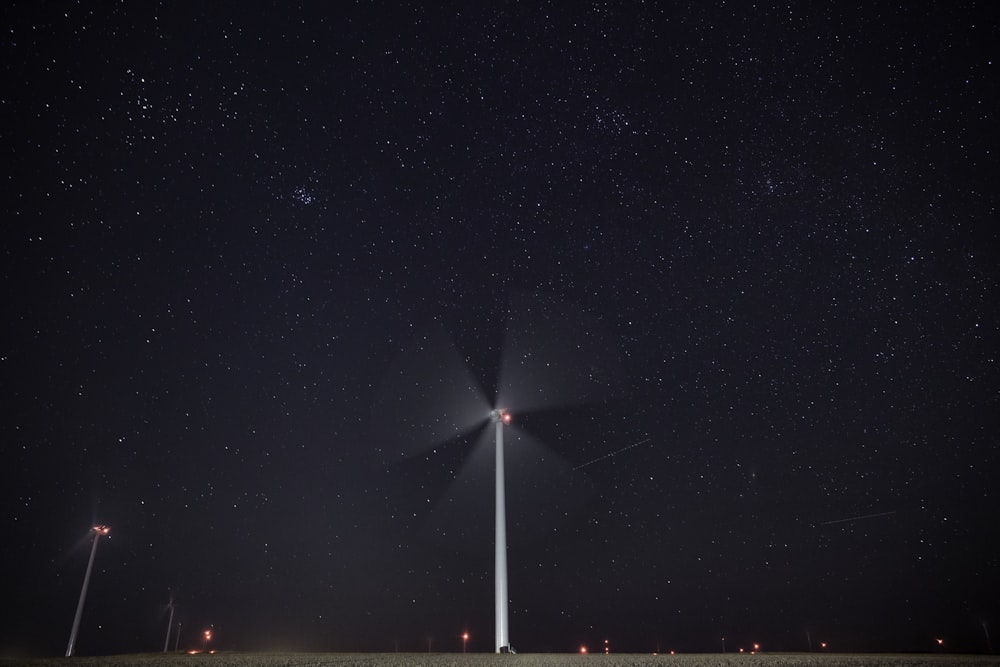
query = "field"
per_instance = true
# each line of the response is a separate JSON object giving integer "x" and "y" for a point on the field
{"x": 227, "y": 659}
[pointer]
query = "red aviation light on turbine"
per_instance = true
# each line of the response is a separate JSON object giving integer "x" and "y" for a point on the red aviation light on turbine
{"x": 502, "y": 415}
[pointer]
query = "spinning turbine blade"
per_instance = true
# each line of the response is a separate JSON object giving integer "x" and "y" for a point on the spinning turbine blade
{"x": 543, "y": 492}
{"x": 554, "y": 356}
{"x": 455, "y": 520}
{"x": 431, "y": 398}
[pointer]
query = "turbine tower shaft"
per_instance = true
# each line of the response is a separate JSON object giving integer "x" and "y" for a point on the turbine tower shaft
{"x": 501, "y": 611}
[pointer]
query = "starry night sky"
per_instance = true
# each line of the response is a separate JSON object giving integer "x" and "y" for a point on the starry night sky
{"x": 734, "y": 268}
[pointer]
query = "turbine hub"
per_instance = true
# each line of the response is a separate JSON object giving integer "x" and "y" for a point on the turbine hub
{"x": 501, "y": 415}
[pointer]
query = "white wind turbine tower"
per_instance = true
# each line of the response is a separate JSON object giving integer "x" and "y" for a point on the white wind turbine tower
{"x": 502, "y": 598}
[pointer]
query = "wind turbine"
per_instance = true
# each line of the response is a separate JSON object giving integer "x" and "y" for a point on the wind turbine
{"x": 97, "y": 531}
{"x": 559, "y": 361}
{"x": 170, "y": 623}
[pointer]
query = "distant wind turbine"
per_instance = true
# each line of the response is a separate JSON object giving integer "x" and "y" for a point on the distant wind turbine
{"x": 98, "y": 532}
{"x": 170, "y": 622}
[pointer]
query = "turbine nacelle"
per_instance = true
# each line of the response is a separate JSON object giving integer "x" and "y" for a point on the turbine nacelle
{"x": 500, "y": 415}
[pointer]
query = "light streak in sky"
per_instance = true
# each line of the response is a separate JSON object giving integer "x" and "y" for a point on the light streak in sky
{"x": 856, "y": 518}
{"x": 614, "y": 453}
